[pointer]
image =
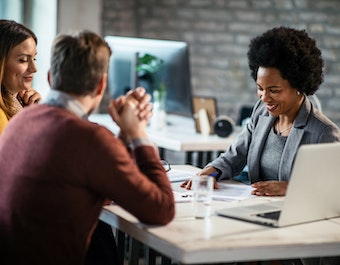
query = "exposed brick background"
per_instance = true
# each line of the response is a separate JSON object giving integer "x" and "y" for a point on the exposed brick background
{"x": 219, "y": 32}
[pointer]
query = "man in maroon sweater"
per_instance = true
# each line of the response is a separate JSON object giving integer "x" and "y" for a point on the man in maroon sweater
{"x": 57, "y": 169}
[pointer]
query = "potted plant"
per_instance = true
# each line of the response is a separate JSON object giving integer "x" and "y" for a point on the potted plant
{"x": 148, "y": 69}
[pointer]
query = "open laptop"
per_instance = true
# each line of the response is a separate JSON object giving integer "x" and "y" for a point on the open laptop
{"x": 312, "y": 194}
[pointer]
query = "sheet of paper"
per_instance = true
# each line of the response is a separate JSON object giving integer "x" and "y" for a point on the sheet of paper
{"x": 225, "y": 192}
{"x": 185, "y": 196}
{"x": 230, "y": 192}
{"x": 176, "y": 175}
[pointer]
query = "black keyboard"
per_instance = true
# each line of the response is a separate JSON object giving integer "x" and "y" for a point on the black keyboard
{"x": 270, "y": 215}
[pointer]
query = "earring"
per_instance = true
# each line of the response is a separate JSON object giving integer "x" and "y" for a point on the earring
{"x": 298, "y": 93}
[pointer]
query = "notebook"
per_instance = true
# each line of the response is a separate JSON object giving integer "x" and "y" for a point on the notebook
{"x": 312, "y": 194}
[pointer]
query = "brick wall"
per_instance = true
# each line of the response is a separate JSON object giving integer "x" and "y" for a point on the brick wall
{"x": 219, "y": 32}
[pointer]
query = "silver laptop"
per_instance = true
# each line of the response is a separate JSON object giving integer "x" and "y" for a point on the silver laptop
{"x": 312, "y": 194}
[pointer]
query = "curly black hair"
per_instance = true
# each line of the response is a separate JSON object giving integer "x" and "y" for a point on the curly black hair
{"x": 293, "y": 53}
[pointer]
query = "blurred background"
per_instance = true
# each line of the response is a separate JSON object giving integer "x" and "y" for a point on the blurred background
{"x": 218, "y": 32}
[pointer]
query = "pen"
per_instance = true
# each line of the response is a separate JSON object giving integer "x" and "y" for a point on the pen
{"x": 213, "y": 174}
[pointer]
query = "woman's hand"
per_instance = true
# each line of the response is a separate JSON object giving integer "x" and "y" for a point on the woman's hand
{"x": 205, "y": 171}
{"x": 28, "y": 97}
{"x": 270, "y": 188}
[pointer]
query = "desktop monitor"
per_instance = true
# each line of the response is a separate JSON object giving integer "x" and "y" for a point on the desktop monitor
{"x": 175, "y": 69}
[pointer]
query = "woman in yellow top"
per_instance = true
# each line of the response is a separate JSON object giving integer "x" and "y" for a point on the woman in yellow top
{"x": 17, "y": 54}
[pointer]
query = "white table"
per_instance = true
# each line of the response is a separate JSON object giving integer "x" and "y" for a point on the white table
{"x": 187, "y": 240}
{"x": 179, "y": 135}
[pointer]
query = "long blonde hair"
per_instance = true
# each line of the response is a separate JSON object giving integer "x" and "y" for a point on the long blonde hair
{"x": 11, "y": 35}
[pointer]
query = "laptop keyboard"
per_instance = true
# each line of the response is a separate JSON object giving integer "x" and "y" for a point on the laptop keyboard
{"x": 270, "y": 215}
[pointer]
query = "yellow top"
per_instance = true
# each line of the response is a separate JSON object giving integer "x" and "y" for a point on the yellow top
{"x": 3, "y": 120}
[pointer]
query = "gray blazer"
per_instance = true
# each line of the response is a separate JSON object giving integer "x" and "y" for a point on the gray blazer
{"x": 310, "y": 126}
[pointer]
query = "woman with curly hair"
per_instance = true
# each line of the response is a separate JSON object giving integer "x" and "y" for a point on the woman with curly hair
{"x": 17, "y": 68}
{"x": 287, "y": 67}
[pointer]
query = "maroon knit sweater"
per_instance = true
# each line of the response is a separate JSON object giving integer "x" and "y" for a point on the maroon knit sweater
{"x": 56, "y": 170}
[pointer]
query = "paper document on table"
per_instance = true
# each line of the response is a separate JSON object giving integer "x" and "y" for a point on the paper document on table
{"x": 225, "y": 192}
{"x": 185, "y": 196}
{"x": 176, "y": 175}
{"x": 231, "y": 192}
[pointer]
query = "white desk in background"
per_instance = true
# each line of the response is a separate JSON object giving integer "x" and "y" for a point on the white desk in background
{"x": 187, "y": 240}
{"x": 179, "y": 135}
